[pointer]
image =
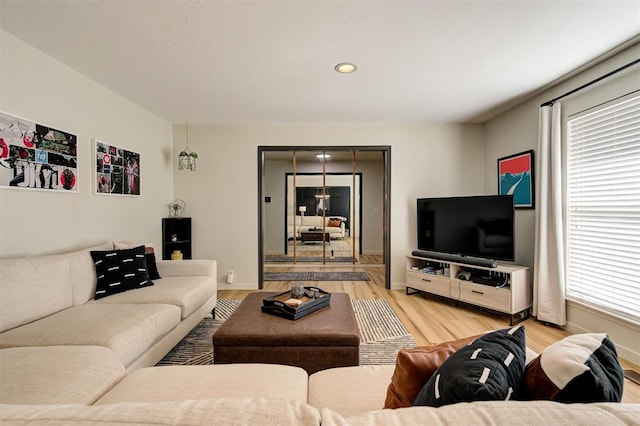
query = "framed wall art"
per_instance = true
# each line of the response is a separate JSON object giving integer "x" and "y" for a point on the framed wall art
{"x": 516, "y": 177}
{"x": 117, "y": 170}
{"x": 37, "y": 157}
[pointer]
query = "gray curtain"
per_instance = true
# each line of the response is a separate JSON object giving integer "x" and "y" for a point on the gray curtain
{"x": 549, "y": 302}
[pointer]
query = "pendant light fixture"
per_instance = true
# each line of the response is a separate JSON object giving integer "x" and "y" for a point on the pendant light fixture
{"x": 187, "y": 158}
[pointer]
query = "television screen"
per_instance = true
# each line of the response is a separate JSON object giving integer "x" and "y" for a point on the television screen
{"x": 477, "y": 226}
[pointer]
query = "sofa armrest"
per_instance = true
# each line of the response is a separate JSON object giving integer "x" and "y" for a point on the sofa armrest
{"x": 187, "y": 267}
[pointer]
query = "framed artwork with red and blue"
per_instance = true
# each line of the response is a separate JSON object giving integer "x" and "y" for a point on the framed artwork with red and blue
{"x": 516, "y": 177}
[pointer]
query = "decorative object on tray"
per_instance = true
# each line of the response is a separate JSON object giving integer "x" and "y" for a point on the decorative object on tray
{"x": 288, "y": 306}
{"x": 294, "y": 303}
{"x": 297, "y": 290}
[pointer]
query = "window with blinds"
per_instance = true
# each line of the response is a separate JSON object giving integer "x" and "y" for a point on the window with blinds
{"x": 603, "y": 208}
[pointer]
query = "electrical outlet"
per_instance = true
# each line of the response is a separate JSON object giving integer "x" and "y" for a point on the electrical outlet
{"x": 230, "y": 276}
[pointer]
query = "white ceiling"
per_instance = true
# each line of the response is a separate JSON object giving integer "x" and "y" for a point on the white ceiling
{"x": 272, "y": 61}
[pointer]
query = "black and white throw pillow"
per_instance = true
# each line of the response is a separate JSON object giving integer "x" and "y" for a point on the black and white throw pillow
{"x": 120, "y": 270}
{"x": 490, "y": 368}
{"x": 579, "y": 368}
{"x": 149, "y": 253}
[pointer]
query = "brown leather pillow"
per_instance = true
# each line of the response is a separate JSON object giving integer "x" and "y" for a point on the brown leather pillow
{"x": 415, "y": 366}
{"x": 334, "y": 223}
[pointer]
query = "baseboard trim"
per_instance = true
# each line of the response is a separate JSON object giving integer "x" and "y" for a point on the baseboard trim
{"x": 238, "y": 286}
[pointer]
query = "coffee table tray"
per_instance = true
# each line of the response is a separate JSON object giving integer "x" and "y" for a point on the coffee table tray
{"x": 275, "y": 304}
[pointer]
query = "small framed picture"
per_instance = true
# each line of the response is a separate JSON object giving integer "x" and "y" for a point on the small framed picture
{"x": 117, "y": 170}
{"x": 516, "y": 177}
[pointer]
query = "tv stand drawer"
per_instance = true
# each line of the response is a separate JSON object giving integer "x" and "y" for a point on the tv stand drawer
{"x": 484, "y": 295}
{"x": 436, "y": 284}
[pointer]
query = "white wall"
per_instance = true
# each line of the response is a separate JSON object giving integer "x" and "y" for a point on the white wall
{"x": 372, "y": 206}
{"x": 274, "y": 220}
{"x": 36, "y": 87}
{"x": 221, "y": 196}
{"x": 517, "y": 130}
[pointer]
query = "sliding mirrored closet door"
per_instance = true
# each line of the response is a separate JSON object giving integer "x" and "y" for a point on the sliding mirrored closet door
{"x": 323, "y": 205}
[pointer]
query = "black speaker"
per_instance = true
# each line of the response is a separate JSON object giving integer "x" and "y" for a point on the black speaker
{"x": 477, "y": 261}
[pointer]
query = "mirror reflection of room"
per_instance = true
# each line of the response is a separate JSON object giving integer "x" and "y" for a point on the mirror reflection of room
{"x": 321, "y": 218}
{"x": 324, "y": 212}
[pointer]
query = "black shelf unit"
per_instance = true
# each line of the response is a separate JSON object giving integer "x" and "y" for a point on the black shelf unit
{"x": 180, "y": 227}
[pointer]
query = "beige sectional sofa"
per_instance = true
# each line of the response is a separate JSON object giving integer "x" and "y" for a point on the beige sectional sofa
{"x": 265, "y": 394}
{"x": 305, "y": 223}
{"x": 68, "y": 359}
{"x": 51, "y": 326}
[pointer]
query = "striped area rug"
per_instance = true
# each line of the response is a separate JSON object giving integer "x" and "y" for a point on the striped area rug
{"x": 382, "y": 335}
{"x": 316, "y": 276}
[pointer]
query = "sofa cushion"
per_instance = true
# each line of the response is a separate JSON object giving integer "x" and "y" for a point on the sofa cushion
{"x": 414, "y": 366}
{"x": 187, "y": 293}
{"x": 311, "y": 221}
{"x": 83, "y": 273}
{"x": 578, "y": 368}
{"x": 170, "y": 383}
{"x": 219, "y": 412}
{"x": 120, "y": 270}
{"x": 489, "y": 368}
{"x": 32, "y": 288}
{"x": 128, "y": 330}
{"x": 57, "y": 374}
{"x": 149, "y": 254}
{"x": 350, "y": 390}
{"x": 495, "y": 413}
{"x": 188, "y": 268}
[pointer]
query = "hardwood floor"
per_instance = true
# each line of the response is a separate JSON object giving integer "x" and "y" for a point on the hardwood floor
{"x": 429, "y": 320}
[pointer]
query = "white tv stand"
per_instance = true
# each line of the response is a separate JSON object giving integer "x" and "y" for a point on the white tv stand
{"x": 505, "y": 288}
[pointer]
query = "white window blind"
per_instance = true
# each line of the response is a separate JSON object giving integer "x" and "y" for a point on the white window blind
{"x": 603, "y": 208}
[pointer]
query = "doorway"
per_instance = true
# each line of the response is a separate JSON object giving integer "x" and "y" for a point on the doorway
{"x": 350, "y": 178}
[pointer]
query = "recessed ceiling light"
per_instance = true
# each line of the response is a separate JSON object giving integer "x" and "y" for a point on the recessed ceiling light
{"x": 346, "y": 68}
{"x": 321, "y": 156}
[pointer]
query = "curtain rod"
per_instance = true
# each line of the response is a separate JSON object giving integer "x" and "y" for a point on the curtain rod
{"x": 607, "y": 75}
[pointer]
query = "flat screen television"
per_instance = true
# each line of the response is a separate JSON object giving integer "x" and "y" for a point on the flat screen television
{"x": 475, "y": 226}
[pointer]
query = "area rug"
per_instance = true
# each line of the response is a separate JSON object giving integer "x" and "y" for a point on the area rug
{"x": 382, "y": 335}
{"x": 316, "y": 276}
{"x": 289, "y": 259}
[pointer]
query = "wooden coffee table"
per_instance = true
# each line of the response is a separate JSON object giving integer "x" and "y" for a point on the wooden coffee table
{"x": 327, "y": 338}
{"x": 315, "y": 236}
